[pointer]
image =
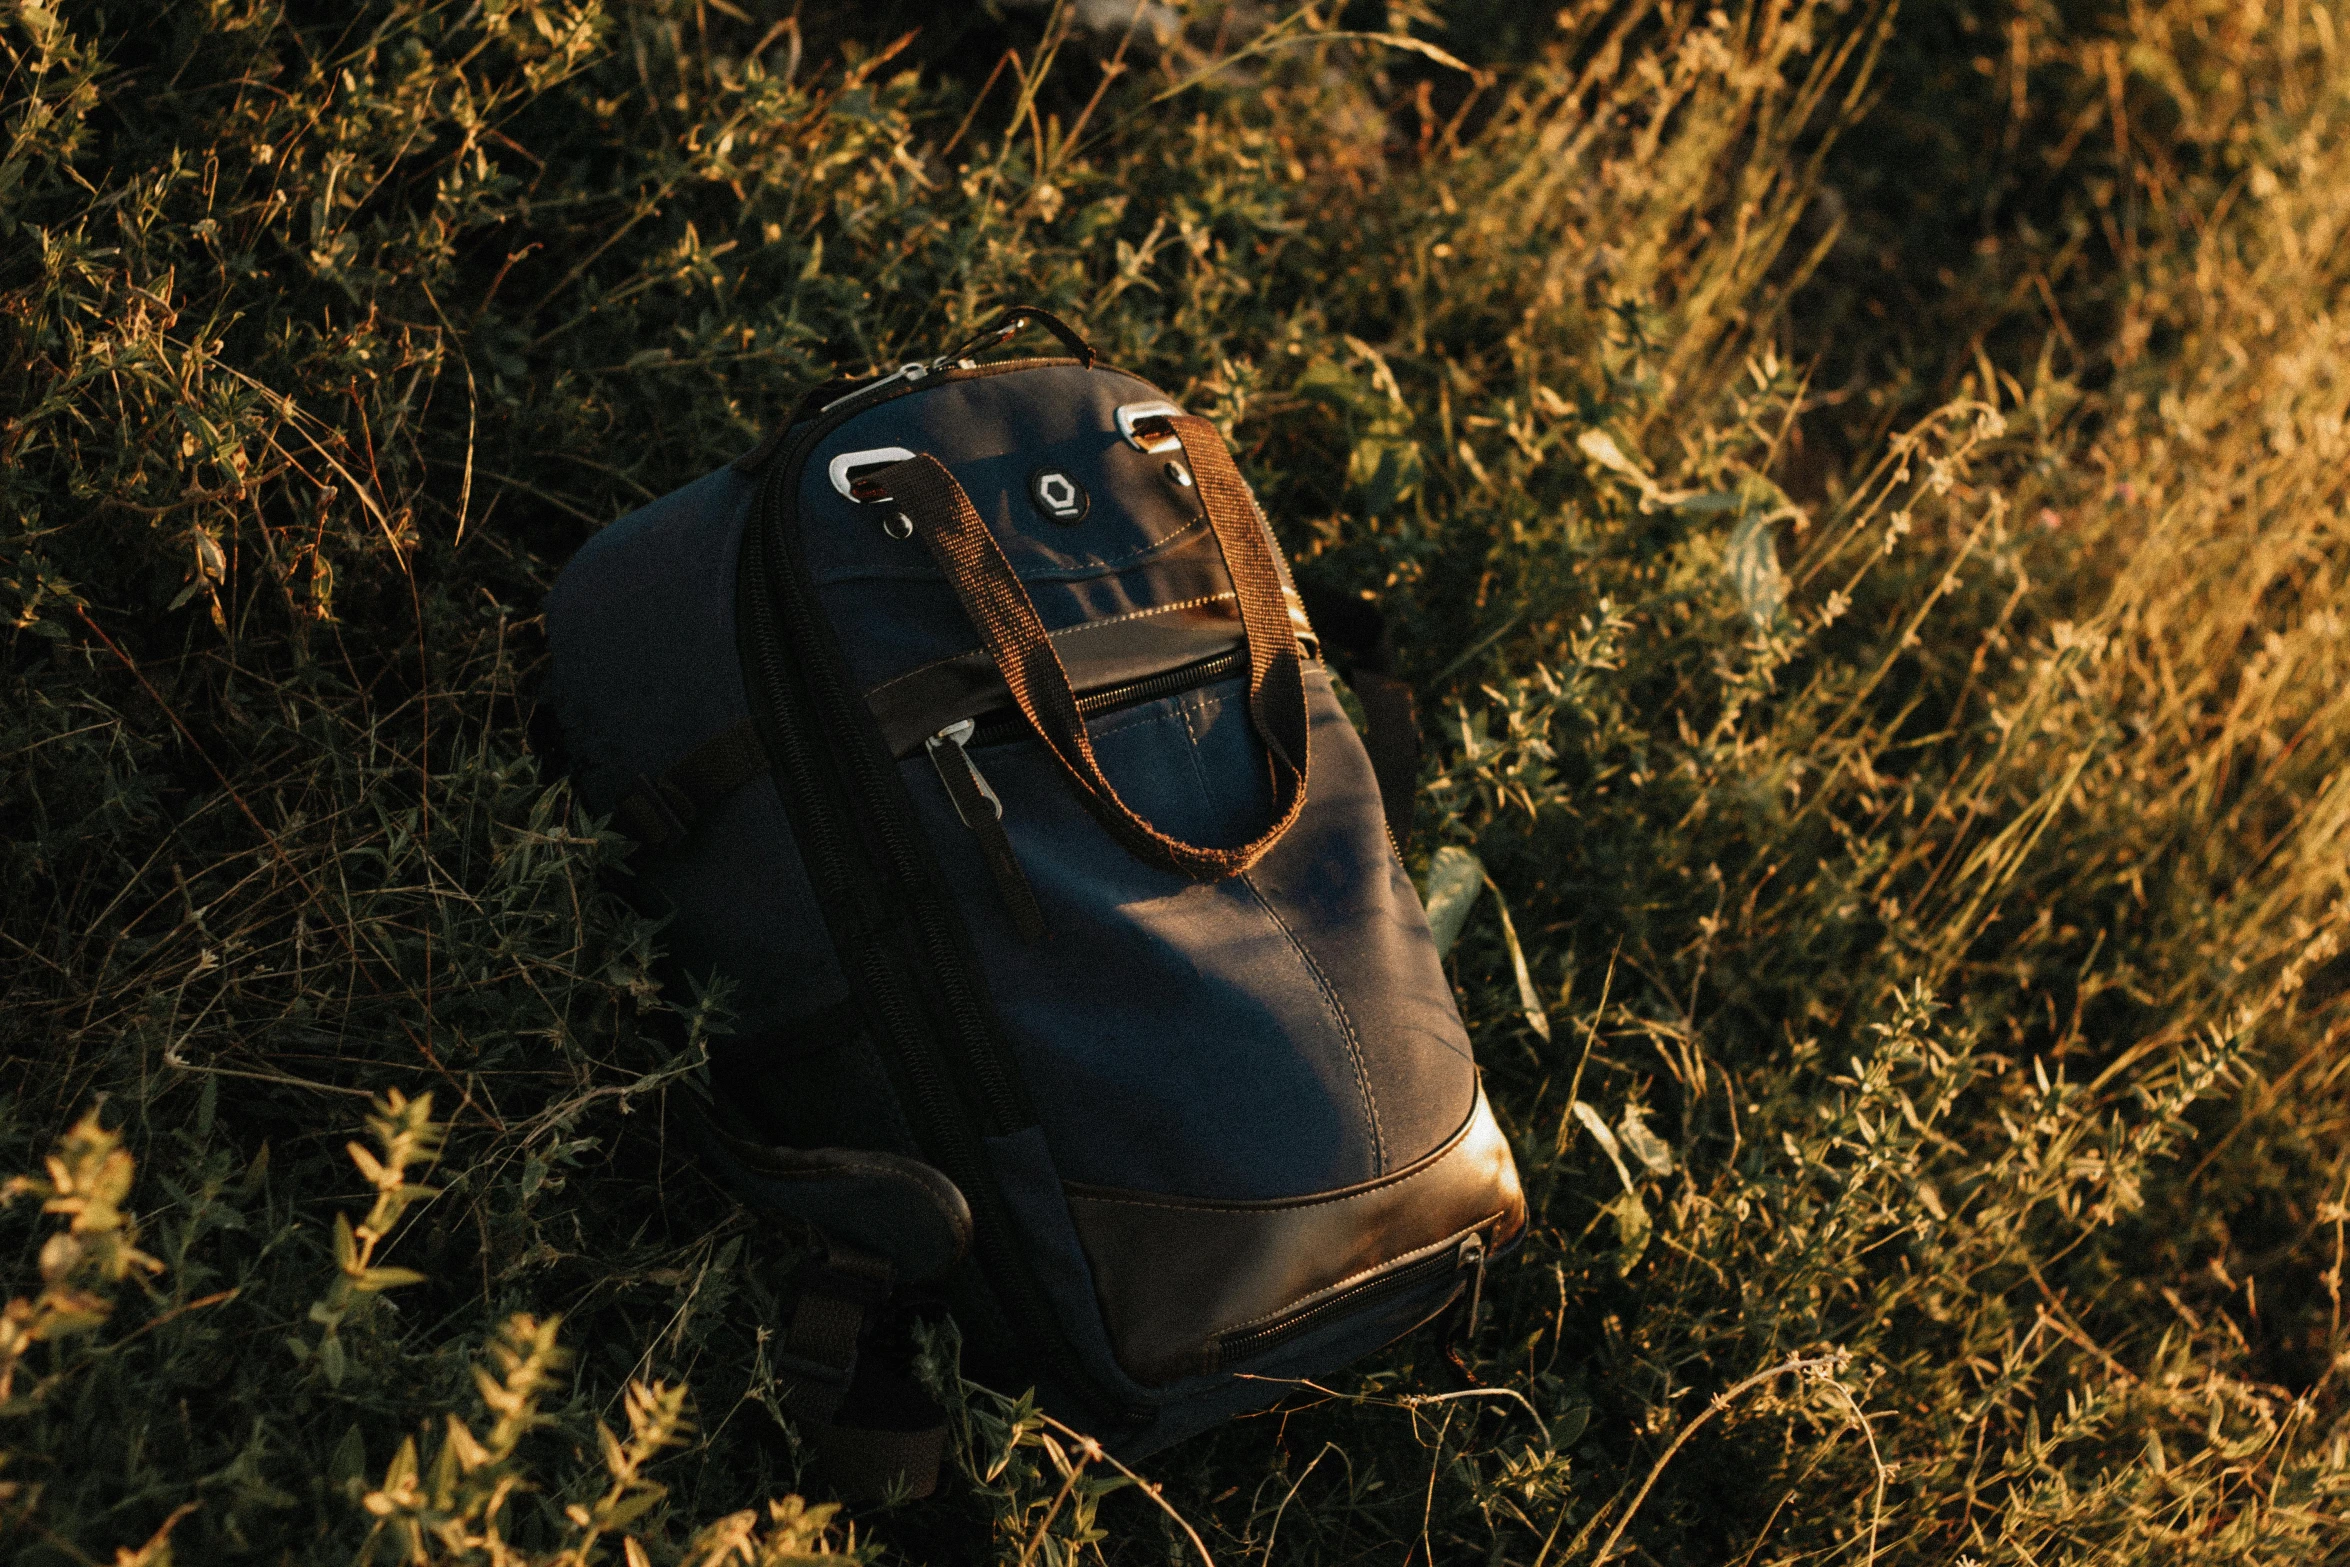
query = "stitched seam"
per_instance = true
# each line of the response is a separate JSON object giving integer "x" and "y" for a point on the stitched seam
{"x": 1321, "y": 981}
{"x": 1083, "y": 625}
{"x": 1303, "y": 1202}
{"x": 1103, "y": 728}
{"x": 1141, "y": 614}
{"x": 1191, "y": 527}
{"x": 1419, "y": 1254}
{"x": 1346, "y": 1027}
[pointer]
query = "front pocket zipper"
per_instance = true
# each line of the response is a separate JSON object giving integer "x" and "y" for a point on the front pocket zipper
{"x": 1006, "y": 724}
{"x": 1240, "y": 1344}
{"x": 982, "y": 811}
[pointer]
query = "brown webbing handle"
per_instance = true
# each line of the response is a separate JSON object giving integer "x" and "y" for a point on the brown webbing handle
{"x": 983, "y": 580}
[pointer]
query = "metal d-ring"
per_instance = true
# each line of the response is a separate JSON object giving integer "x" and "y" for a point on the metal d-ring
{"x": 1131, "y": 414}
{"x": 842, "y": 468}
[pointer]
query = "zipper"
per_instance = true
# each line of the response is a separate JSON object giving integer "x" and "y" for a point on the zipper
{"x": 911, "y": 371}
{"x": 1243, "y": 1343}
{"x": 871, "y": 781}
{"x": 1008, "y": 724}
{"x": 822, "y": 840}
{"x": 982, "y": 811}
{"x": 773, "y": 596}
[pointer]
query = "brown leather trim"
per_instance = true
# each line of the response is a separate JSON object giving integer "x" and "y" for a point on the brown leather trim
{"x": 1172, "y": 1273}
{"x": 898, "y": 1207}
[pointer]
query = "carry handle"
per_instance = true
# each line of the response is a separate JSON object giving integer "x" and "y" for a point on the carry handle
{"x": 991, "y": 595}
{"x": 1009, "y": 323}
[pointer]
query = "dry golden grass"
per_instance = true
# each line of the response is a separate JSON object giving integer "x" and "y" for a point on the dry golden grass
{"x": 1861, "y": 498}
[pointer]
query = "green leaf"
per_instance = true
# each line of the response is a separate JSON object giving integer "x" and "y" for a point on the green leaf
{"x": 1602, "y": 449}
{"x": 388, "y": 1278}
{"x": 1644, "y": 1144}
{"x": 1564, "y": 1429}
{"x": 346, "y": 1467}
{"x": 249, "y": 1184}
{"x": 1455, "y": 878}
{"x": 402, "y": 1472}
{"x": 630, "y": 1508}
{"x": 1597, "y": 1127}
{"x": 1632, "y": 1229}
{"x": 1751, "y": 561}
{"x": 1529, "y": 999}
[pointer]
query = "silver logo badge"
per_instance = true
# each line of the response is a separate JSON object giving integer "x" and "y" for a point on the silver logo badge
{"x": 1058, "y": 495}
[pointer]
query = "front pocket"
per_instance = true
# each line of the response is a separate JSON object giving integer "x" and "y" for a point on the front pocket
{"x": 1188, "y": 1286}
{"x": 1173, "y": 1035}
{"x": 1446, "y": 1262}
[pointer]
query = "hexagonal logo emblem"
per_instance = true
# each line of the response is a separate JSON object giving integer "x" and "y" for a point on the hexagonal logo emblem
{"x": 1058, "y": 495}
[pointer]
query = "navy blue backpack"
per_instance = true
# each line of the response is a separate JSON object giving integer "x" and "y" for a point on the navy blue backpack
{"x": 972, "y": 731}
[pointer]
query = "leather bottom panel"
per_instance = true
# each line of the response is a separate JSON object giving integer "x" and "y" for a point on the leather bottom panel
{"x": 1173, "y": 1275}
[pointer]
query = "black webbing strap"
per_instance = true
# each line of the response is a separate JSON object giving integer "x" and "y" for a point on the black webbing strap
{"x": 872, "y": 1429}
{"x": 659, "y": 812}
{"x": 1393, "y": 742}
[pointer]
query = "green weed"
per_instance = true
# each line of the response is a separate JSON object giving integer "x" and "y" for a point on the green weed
{"x": 1858, "y": 495}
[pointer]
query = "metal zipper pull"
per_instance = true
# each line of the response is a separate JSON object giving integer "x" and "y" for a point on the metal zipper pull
{"x": 982, "y": 811}
{"x": 912, "y": 370}
{"x": 1472, "y": 1255}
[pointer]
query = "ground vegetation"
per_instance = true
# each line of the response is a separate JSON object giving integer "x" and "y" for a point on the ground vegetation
{"x": 1859, "y": 492}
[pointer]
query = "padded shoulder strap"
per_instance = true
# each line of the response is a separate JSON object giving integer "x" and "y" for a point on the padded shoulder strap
{"x": 659, "y": 812}
{"x": 1357, "y": 642}
{"x": 848, "y": 1383}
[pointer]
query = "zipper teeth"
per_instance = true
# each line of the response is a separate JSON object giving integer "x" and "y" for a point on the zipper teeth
{"x": 1241, "y": 1344}
{"x": 1151, "y": 687}
{"x": 1002, "y": 1103}
{"x": 925, "y": 1071}
{"x": 830, "y": 851}
{"x": 1131, "y": 693}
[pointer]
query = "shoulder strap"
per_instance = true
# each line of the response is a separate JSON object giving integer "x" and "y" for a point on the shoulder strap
{"x": 1358, "y": 643}
{"x": 872, "y": 1428}
{"x": 659, "y": 812}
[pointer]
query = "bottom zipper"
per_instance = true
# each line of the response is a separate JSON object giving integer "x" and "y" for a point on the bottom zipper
{"x": 1243, "y": 1343}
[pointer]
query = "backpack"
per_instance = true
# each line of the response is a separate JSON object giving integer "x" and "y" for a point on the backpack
{"x": 971, "y": 730}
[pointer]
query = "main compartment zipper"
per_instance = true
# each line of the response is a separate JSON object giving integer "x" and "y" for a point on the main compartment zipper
{"x": 801, "y": 691}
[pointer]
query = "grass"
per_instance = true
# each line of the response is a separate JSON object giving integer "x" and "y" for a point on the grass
{"x": 1860, "y": 494}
